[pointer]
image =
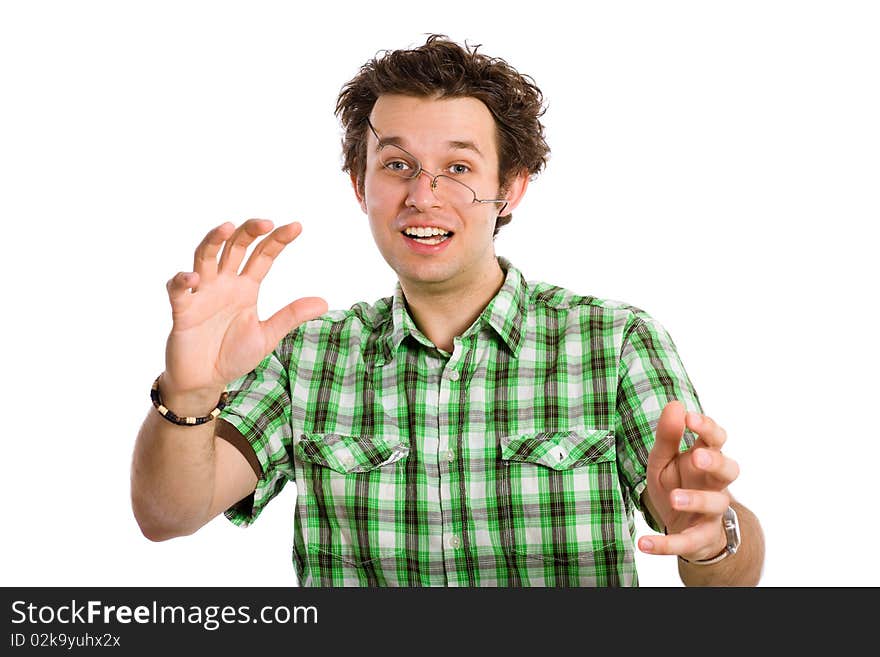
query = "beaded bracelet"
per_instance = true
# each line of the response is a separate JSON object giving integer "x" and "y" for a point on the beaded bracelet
{"x": 172, "y": 417}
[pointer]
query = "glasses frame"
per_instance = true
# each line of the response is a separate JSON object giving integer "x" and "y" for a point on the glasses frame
{"x": 420, "y": 170}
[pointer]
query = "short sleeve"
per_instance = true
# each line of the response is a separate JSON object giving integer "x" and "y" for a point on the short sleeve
{"x": 258, "y": 408}
{"x": 650, "y": 375}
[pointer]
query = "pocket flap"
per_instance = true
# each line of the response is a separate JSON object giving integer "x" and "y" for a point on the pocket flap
{"x": 347, "y": 454}
{"x": 560, "y": 450}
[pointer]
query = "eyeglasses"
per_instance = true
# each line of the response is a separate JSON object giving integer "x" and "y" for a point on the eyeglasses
{"x": 402, "y": 164}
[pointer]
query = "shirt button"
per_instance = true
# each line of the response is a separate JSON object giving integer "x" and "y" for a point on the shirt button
{"x": 450, "y": 455}
{"x": 347, "y": 460}
{"x": 454, "y": 542}
{"x": 453, "y": 375}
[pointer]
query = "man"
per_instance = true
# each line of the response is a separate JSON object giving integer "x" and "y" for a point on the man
{"x": 471, "y": 430}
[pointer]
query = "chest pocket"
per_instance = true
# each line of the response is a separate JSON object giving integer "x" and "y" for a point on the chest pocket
{"x": 561, "y": 504}
{"x": 350, "y": 454}
{"x": 560, "y": 450}
{"x": 348, "y": 489}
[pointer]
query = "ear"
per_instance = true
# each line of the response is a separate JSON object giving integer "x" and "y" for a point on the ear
{"x": 515, "y": 191}
{"x": 362, "y": 201}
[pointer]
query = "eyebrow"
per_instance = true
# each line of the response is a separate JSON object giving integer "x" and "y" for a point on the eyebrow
{"x": 453, "y": 145}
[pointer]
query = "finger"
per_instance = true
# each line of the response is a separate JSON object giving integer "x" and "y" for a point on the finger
{"x": 699, "y": 501}
{"x": 670, "y": 429}
{"x": 179, "y": 285}
{"x": 711, "y": 433}
{"x": 236, "y": 246}
{"x": 205, "y": 258}
{"x": 700, "y": 541}
{"x": 715, "y": 463}
{"x": 291, "y": 316}
{"x": 267, "y": 250}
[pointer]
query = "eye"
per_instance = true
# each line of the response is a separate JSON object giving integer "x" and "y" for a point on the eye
{"x": 459, "y": 168}
{"x": 396, "y": 165}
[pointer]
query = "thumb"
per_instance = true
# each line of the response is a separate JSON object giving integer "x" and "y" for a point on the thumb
{"x": 291, "y": 316}
{"x": 670, "y": 429}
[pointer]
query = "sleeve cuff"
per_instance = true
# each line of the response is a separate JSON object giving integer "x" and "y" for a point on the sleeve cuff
{"x": 230, "y": 434}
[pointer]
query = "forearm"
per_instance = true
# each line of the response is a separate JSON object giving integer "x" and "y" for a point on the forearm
{"x": 172, "y": 473}
{"x": 740, "y": 569}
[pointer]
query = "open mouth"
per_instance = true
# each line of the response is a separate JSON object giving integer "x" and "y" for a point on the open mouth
{"x": 429, "y": 236}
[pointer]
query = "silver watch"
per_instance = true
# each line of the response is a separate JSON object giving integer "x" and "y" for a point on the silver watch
{"x": 731, "y": 529}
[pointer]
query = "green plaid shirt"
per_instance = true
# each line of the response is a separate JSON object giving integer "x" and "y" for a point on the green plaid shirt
{"x": 516, "y": 460}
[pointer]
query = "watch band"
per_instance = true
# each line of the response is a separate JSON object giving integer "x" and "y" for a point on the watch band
{"x": 731, "y": 530}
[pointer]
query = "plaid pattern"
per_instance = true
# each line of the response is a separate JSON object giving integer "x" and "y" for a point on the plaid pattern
{"x": 517, "y": 460}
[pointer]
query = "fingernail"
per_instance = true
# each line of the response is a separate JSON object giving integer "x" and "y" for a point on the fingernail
{"x": 647, "y": 544}
{"x": 681, "y": 499}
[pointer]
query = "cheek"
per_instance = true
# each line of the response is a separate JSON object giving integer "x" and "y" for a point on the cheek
{"x": 380, "y": 198}
{"x": 486, "y": 221}
{"x": 381, "y": 208}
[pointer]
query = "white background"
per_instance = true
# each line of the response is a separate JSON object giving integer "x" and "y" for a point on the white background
{"x": 713, "y": 163}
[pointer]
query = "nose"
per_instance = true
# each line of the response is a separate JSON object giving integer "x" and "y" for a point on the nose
{"x": 420, "y": 195}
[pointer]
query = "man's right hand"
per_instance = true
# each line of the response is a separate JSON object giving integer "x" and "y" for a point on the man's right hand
{"x": 216, "y": 334}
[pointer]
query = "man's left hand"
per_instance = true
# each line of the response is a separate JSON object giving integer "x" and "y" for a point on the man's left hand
{"x": 688, "y": 490}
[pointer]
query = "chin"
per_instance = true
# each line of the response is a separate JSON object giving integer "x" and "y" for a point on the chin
{"x": 426, "y": 274}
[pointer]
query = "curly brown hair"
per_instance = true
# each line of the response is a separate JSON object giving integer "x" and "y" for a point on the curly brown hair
{"x": 443, "y": 69}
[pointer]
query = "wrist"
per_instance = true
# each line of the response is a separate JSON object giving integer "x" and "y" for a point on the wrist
{"x": 195, "y": 402}
{"x": 730, "y": 540}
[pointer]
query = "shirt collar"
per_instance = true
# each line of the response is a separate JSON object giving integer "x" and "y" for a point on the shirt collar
{"x": 505, "y": 314}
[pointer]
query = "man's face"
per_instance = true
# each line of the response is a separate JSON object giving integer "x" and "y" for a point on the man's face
{"x": 455, "y": 137}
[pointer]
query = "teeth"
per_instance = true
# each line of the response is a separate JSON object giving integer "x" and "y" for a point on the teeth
{"x": 432, "y": 241}
{"x": 424, "y": 231}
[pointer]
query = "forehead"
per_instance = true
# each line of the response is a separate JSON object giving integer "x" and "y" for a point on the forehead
{"x": 434, "y": 123}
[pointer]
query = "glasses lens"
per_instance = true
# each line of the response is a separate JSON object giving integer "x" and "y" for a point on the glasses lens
{"x": 397, "y": 162}
{"x": 453, "y": 192}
